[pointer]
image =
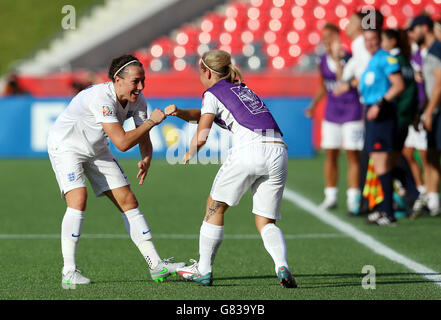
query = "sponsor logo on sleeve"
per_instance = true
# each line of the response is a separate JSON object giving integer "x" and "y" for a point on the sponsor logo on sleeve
{"x": 107, "y": 111}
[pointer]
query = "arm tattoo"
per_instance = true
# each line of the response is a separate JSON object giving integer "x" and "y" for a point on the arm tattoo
{"x": 153, "y": 123}
{"x": 212, "y": 210}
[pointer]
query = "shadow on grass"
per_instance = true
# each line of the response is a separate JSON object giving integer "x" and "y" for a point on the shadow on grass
{"x": 337, "y": 279}
{"x": 309, "y": 281}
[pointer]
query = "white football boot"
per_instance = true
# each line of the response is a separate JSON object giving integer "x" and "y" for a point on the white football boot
{"x": 72, "y": 278}
{"x": 328, "y": 204}
{"x": 165, "y": 268}
{"x": 189, "y": 271}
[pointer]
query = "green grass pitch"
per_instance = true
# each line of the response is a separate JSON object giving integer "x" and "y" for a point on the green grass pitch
{"x": 326, "y": 263}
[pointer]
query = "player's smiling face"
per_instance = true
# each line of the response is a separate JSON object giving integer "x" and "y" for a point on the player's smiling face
{"x": 130, "y": 87}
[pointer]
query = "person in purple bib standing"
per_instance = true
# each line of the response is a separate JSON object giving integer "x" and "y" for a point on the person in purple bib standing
{"x": 258, "y": 161}
{"x": 342, "y": 127}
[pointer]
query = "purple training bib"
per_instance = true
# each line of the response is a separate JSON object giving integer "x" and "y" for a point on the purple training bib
{"x": 245, "y": 106}
{"x": 343, "y": 108}
{"x": 417, "y": 64}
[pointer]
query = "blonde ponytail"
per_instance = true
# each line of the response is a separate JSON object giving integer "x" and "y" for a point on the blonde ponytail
{"x": 219, "y": 62}
{"x": 234, "y": 73}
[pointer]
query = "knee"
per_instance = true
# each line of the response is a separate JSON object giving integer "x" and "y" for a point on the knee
{"x": 216, "y": 204}
{"x": 76, "y": 199}
{"x": 331, "y": 155}
{"x": 353, "y": 158}
{"x": 129, "y": 201}
{"x": 262, "y": 222}
{"x": 407, "y": 154}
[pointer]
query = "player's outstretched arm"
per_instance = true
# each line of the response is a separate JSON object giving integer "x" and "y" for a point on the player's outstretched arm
{"x": 434, "y": 99}
{"x": 200, "y": 138}
{"x": 126, "y": 140}
{"x": 184, "y": 114}
{"x": 146, "y": 150}
{"x": 320, "y": 94}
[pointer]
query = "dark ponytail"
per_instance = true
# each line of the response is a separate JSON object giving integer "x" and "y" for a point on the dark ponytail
{"x": 118, "y": 62}
{"x": 401, "y": 39}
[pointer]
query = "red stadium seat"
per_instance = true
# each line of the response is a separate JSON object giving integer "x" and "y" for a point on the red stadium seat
{"x": 265, "y": 34}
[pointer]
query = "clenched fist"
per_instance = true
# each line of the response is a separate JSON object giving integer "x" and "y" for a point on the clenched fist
{"x": 171, "y": 110}
{"x": 157, "y": 116}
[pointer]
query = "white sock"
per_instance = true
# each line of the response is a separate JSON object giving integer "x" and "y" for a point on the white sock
{"x": 70, "y": 236}
{"x": 352, "y": 194}
{"x": 210, "y": 239}
{"x": 433, "y": 201}
{"x": 331, "y": 193}
{"x": 274, "y": 243}
{"x": 421, "y": 189}
{"x": 141, "y": 236}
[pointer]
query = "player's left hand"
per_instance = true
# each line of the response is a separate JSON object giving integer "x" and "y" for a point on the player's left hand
{"x": 143, "y": 166}
{"x": 309, "y": 112}
{"x": 373, "y": 112}
{"x": 340, "y": 88}
{"x": 427, "y": 121}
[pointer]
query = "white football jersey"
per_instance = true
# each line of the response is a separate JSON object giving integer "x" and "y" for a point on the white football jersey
{"x": 241, "y": 135}
{"x": 78, "y": 128}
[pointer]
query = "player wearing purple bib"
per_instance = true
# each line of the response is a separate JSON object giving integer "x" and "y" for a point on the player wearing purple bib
{"x": 342, "y": 127}
{"x": 258, "y": 161}
{"x": 424, "y": 32}
{"x": 417, "y": 136}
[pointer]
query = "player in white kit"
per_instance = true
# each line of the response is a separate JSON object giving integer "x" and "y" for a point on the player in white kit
{"x": 78, "y": 148}
{"x": 257, "y": 160}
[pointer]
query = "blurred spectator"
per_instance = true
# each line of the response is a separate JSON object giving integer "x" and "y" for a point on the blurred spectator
{"x": 417, "y": 135}
{"x": 424, "y": 32}
{"x": 13, "y": 87}
{"x": 342, "y": 127}
{"x": 380, "y": 84}
{"x": 350, "y": 77}
{"x": 78, "y": 85}
{"x": 396, "y": 42}
{"x": 437, "y": 30}
{"x": 360, "y": 56}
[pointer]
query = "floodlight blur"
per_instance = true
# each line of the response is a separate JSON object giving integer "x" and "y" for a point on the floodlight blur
{"x": 156, "y": 65}
{"x": 254, "y": 63}
{"x": 248, "y": 50}
{"x": 179, "y": 64}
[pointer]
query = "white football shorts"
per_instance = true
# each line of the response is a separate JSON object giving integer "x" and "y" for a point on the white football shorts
{"x": 71, "y": 169}
{"x": 347, "y": 136}
{"x": 261, "y": 166}
{"x": 416, "y": 139}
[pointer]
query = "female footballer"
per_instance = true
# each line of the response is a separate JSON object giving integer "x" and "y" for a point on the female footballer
{"x": 78, "y": 148}
{"x": 257, "y": 160}
{"x": 380, "y": 84}
{"x": 342, "y": 127}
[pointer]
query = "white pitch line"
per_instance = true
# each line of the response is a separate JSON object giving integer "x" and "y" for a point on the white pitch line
{"x": 171, "y": 236}
{"x": 360, "y": 236}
